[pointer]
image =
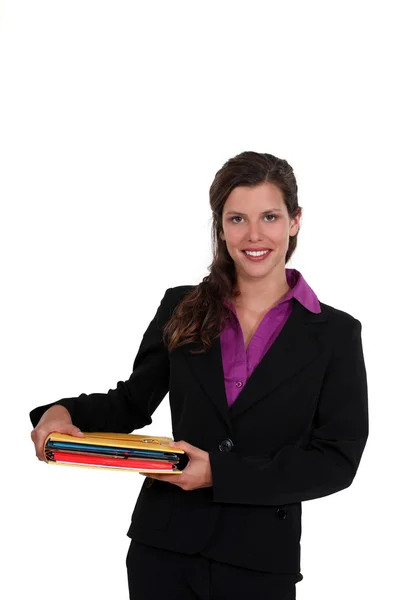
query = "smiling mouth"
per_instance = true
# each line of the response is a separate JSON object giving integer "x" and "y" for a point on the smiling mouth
{"x": 257, "y": 257}
{"x": 256, "y": 252}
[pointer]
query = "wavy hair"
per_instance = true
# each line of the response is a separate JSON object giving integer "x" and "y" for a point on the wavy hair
{"x": 199, "y": 317}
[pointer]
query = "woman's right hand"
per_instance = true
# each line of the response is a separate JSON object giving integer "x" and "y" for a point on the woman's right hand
{"x": 56, "y": 418}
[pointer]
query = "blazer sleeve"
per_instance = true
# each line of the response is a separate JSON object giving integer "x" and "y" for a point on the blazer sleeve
{"x": 130, "y": 405}
{"x": 324, "y": 464}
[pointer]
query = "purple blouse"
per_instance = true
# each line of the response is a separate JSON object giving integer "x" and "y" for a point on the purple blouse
{"x": 238, "y": 363}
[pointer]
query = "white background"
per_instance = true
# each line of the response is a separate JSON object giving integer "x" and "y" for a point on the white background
{"x": 115, "y": 117}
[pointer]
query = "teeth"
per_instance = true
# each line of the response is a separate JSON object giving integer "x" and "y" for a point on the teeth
{"x": 256, "y": 253}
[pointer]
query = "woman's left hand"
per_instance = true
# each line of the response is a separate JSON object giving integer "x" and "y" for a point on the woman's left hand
{"x": 196, "y": 474}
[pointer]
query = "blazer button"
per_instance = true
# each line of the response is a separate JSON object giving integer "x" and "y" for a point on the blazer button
{"x": 226, "y": 445}
{"x": 281, "y": 513}
{"x": 148, "y": 482}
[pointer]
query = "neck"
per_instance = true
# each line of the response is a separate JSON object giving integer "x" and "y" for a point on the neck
{"x": 262, "y": 294}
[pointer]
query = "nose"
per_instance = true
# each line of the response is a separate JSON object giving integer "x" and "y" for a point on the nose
{"x": 254, "y": 232}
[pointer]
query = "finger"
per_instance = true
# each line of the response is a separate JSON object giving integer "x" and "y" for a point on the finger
{"x": 70, "y": 430}
{"x": 38, "y": 441}
{"x": 168, "y": 478}
{"x": 40, "y": 452}
{"x": 190, "y": 451}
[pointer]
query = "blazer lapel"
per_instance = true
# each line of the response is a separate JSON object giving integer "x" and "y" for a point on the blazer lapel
{"x": 296, "y": 345}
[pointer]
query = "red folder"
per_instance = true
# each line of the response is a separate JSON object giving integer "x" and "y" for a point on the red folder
{"x": 127, "y": 463}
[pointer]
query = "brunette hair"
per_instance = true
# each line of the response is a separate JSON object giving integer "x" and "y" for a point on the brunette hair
{"x": 199, "y": 316}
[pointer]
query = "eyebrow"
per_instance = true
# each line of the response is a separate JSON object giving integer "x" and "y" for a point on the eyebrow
{"x": 236, "y": 212}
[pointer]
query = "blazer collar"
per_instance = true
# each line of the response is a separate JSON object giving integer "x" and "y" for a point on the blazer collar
{"x": 296, "y": 345}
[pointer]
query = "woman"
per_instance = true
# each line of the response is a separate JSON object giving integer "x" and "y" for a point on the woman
{"x": 268, "y": 396}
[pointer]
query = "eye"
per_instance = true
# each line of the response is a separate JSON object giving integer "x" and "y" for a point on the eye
{"x": 239, "y": 217}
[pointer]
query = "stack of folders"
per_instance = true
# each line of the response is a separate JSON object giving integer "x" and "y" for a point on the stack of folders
{"x": 124, "y": 451}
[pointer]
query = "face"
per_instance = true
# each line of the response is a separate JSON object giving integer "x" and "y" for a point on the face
{"x": 257, "y": 218}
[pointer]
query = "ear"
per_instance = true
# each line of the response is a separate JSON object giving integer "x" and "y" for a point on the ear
{"x": 295, "y": 224}
{"x": 221, "y": 235}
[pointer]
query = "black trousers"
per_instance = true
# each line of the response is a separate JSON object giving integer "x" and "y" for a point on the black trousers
{"x": 155, "y": 573}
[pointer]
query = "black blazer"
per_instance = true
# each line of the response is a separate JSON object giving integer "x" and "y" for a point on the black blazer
{"x": 296, "y": 432}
